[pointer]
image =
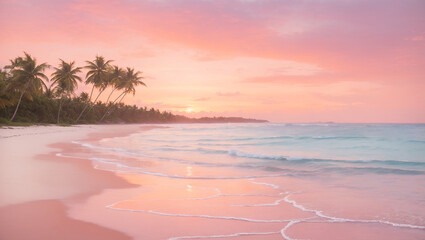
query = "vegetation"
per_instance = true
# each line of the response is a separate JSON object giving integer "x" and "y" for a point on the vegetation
{"x": 25, "y": 97}
{"x": 65, "y": 81}
{"x": 26, "y": 78}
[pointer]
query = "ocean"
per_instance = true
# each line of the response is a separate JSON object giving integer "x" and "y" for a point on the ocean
{"x": 264, "y": 181}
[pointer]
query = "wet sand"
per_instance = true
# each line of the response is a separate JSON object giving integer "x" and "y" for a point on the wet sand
{"x": 35, "y": 183}
{"x": 47, "y": 219}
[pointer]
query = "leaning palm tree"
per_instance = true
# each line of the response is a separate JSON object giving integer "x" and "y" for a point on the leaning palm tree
{"x": 115, "y": 78}
{"x": 129, "y": 83}
{"x": 65, "y": 81}
{"x": 97, "y": 75}
{"x": 27, "y": 77}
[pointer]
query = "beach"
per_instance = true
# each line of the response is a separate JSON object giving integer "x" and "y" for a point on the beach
{"x": 212, "y": 120}
{"x": 212, "y": 181}
{"x": 35, "y": 182}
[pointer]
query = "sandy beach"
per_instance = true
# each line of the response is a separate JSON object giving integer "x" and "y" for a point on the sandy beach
{"x": 34, "y": 182}
{"x": 190, "y": 182}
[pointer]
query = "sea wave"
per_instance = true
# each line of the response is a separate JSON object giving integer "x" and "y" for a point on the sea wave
{"x": 374, "y": 170}
{"x": 236, "y": 153}
{"x": 296, "y": 159}
{"x": 282, "y": 138}
{"x": 320, "y": 165}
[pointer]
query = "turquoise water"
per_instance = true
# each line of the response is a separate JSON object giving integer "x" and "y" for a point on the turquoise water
{"x": 303, "y": 148}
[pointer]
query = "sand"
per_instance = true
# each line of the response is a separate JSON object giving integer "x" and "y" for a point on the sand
{"x": 46, "y": 196}
{"x": 35, "y": 183}
{"x": 47, "y": 219}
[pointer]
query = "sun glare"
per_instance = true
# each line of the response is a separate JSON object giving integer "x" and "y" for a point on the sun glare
{"x": 189, "y": 110}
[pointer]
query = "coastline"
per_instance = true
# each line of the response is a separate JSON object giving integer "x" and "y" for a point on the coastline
{"x": 66, "y": 197}
{"x": 35, "y": 183}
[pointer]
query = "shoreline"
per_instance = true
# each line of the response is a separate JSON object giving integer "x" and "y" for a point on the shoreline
{"x": 186, "y": 198}
{"x": 36, "y": 183}
{"x": 197, "y": 121}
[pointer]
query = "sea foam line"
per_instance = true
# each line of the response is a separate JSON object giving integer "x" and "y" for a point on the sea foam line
{"x": 282, "y": 232}
{"x": 337, "y": 219}
{"x": 286, "y": 199}
{"x": 111, "y": 206}
{"x": 274, "y": 186}
{"x": 225, "y": 236}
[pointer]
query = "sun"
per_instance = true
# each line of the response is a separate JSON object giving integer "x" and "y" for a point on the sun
{"x": 189, "y": 110}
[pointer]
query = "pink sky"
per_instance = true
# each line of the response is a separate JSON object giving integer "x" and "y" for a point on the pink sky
{"x": 281, "y": 60}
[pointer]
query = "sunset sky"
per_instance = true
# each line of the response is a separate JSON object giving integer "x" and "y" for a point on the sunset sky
{"x": 280, "y": 60}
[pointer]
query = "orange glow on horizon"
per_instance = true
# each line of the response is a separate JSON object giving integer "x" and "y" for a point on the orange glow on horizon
{"x": 240, "y": 58}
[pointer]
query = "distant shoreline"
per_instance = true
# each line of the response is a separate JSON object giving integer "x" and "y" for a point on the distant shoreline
{"x": 182, "y": 120}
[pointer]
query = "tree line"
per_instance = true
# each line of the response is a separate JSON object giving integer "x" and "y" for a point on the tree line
{"x": 25, "y": 96}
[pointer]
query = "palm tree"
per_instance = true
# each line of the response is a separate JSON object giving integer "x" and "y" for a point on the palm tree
{"x": 27, "y": 77}
{"x": 129, "y": 83}
{"x": 115, "y": 78}
{"x": 66, "y": 80}
{"x": 4, "y": 98}
{"x": 97, "y": 75}
{"x": 50, "y": 92}
{"x": 83, "y": 96}
{"x": 14, "y": 63}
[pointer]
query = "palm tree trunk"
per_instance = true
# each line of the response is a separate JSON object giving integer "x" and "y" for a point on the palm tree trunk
{"x": 107, "y": 101}
{"x": 59, "y": 111}
{"x": 81, "y": 114}
{"x": 19, "y": 102}
{"x": 122, "y": 98}
{"x": 109, "y": 109}
{"x": 91, "y": 93}
{"x": 91, "y": 107}
{"x": 110, "y": 95}
{"x": 17, "y": 106}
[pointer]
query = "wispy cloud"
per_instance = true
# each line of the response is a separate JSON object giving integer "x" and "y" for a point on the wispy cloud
{"x": 380, "y": 41}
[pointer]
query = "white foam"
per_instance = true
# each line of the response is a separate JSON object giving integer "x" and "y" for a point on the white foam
{"x": 293, "y": 158}
{"x": 318, "y": 214}
{"x": 200, "y": 216}
{"x": 225, "y": 236}
{"x": 274, "y": 186}
{"x": 234, "y": 152}
{"x": 337, "y": 219}
{"x": 301, "y": 207}
{"x": 282, "y": 232}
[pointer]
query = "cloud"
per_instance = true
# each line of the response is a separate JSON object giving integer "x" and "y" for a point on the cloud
{"x": 318, "y": 79}
{"x": 380, "y": 41}
{"x": 342, "y": 36}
